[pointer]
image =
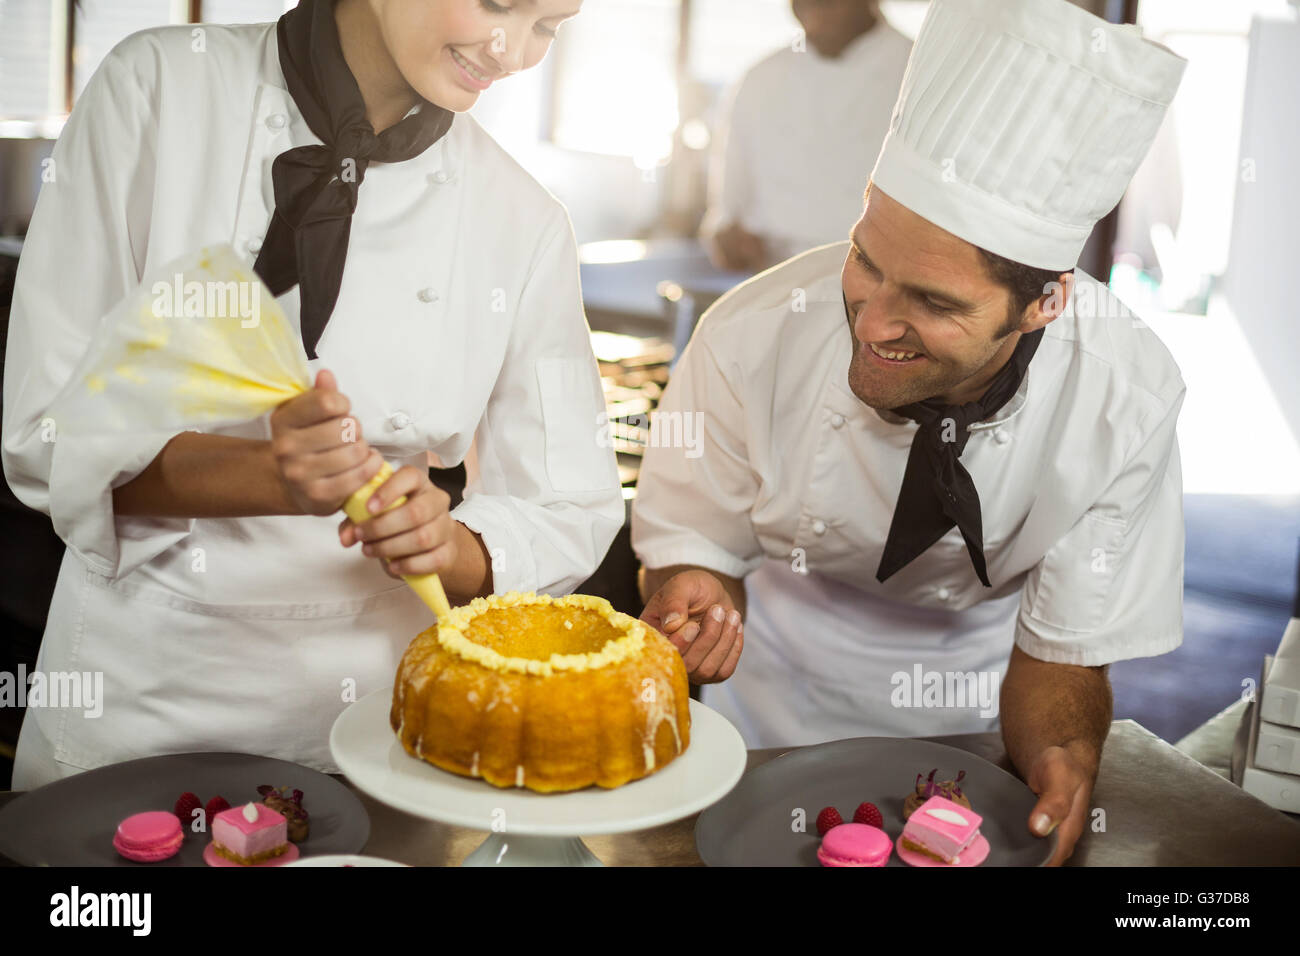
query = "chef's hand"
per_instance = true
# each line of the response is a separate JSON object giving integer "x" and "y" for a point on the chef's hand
{"x": 1063, "y": 783}
{"x": 739, "y": 249}
{"x": 417, "y": 537}
{"x": 319, "y": 453}
{"x": 695, "y": 612}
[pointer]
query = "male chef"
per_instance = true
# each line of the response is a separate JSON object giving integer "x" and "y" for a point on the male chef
{"x": 939, "y": 484}
{"x": 801, "y": 127}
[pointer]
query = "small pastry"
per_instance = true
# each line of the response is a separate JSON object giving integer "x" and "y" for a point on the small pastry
{"x": 288, "y": 806}
{"x": 149, "y": 837}
{"x": 941, "y": 829}
{"x": 855, "y": 844}
{"x": 249, "y": 834}
{"x": 923, "y": 791}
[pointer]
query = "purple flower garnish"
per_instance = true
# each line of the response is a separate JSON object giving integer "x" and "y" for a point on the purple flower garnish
{"x": 931, "y": 788}
{"x": 944, "y": 788}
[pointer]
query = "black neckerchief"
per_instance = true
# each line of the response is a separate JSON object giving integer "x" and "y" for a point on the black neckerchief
{"x": 316, "y": 186}
{"x": 937, "y": 491}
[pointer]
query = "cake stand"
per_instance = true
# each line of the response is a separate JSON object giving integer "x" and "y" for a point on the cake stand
{"x": 527, "y": 828}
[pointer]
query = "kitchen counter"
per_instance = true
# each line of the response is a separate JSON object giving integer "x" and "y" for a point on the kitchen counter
{"x": 1161, "y": 808}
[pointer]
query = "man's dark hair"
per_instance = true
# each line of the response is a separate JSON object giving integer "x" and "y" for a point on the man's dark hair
{"x": 1025, "y": 283}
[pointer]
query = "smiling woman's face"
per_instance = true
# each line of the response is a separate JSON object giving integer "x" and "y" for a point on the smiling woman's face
{"x": 450, "y": 51}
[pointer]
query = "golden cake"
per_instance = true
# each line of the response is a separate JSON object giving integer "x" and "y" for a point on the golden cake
{"x": 526, "y": 690}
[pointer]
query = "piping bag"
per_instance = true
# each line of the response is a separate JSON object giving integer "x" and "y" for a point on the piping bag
{"x": 200, "y": 344}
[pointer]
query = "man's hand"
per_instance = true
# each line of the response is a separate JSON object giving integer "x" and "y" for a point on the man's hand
{"x": 1064, "y": 784}
{"x": 319, "y": 453}
{"x": 694, "y": 610}
{"x": 1055, "y": 718}
{"x": 417, "y": 537}
{"x": 738, "y": 249}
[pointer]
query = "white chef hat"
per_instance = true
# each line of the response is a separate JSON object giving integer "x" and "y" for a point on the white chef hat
{"x": 1020, "y": 123}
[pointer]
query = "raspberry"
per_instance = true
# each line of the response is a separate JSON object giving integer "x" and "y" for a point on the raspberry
{"x": 829, "y": 817}
{"x": 186, "y": 804}
{"x": 869, "y": 814}
{"x": 215, "y": 805}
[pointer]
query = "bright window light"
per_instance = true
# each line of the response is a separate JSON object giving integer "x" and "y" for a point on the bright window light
{"x": 616, "y": 92}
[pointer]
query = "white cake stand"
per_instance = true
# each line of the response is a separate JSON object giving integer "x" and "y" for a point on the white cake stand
{"x": 527, "y": 828}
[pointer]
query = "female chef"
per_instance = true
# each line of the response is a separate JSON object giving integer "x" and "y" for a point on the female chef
{"x": 206, "y": 575}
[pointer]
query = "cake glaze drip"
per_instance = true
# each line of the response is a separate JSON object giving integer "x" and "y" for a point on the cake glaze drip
{"x": 656, "y": 714}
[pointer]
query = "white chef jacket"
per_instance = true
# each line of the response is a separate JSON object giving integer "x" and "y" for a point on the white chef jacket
{"x": 793, "y": 488}
{"x": 459, "y": 330}
{"x": 800, "y": 135}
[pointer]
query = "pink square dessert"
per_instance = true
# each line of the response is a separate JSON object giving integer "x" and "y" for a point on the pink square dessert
{"x": 941, "y": 829}
{"x": 249, "y": 834}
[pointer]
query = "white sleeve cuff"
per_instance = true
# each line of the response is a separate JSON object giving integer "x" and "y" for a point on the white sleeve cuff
{"x": 85, "y": 470}
{"x": 1056, "y": 646}
{"x": 513, "y": 565}
{"x": 697, "y": 551}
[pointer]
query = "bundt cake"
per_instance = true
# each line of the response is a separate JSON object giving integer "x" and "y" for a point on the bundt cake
{"x": 526, "y": 690}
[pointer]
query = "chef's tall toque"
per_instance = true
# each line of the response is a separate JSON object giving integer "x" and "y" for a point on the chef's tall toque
{"x": 1020, "y": 123}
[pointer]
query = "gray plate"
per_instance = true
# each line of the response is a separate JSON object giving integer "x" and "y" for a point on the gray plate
{"x": 752, "y": 825}
{"x": 71, "y": 822}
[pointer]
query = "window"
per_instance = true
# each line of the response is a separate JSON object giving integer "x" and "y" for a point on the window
{"x": 33, "y": 42}
{"x": 245, "y": 11}
{"x": 729, "y": 36}
{"x": 620, "y": 96}
{"x": 30, "y": 79}
{"x": 1176, "y": 218}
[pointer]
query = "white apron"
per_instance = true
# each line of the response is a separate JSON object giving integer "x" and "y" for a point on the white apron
{"x": 824, "y": 660}
{"x": 213, "y": 676}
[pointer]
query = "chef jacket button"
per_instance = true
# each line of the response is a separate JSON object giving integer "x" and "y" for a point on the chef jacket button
{"x": 943, "y": 594}
{"x": 276, "y": 121}
{"x": 819, "y": 526}
{"x": 427, "y": 295}
{"x": 255, "y": 245}
{"x": 439, "y": 177}
{"x": 1001, "y": 436}
{"x": 837, "y": 420}
{"x": 399, "y": 420}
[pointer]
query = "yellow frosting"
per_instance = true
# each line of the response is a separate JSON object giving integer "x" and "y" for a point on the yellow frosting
{"x": 452, "y": 634}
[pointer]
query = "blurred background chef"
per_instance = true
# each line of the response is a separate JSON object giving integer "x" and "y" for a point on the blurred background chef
{"x": 802, "y": 125}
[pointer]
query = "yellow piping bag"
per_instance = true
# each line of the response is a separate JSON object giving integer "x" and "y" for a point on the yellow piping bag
{"x": 201, "y": 343}
{"x": 427, "y": 586}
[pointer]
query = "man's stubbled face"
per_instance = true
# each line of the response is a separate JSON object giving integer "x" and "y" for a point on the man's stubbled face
{"x": 924, "y": 297}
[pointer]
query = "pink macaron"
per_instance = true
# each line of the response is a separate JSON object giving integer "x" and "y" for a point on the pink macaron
{"x": 855, "y": 844}
{"x": 149, "y": 837}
